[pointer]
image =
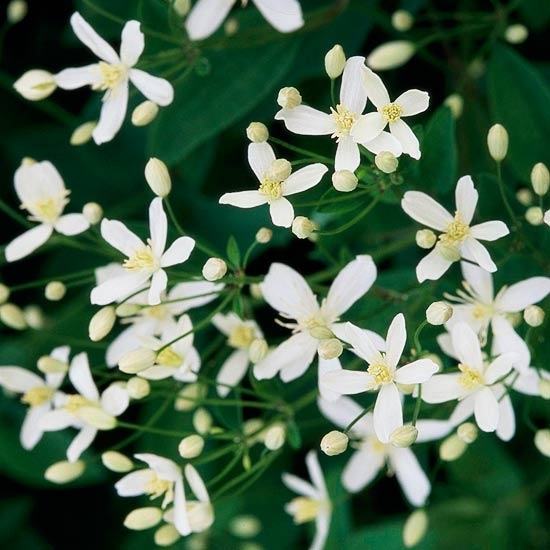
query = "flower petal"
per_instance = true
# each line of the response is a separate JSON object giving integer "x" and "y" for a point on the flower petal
{"x": 466, "y": 346}
{"x": 120, "y": 237}
{"x": 70, "y": 79}
{"x": 489, "y": 231}
{"x": 376, "y": 91}
{"x": 466, "y": 198}
{"x": 361, "y": 469}
{"x": 155, "y": 89}
{"x": 232, "y": 371}
{"x": 181, "y": 518}
{"x": 441, "y": 388}
{"x": 341, "y": 412}
{"x": 396, "y": 340}
{"x": 363, "y": 345}
{"x": 113, "y": 111}
{"x": 353, "y": 93}
{"x": 178, "y": 252}
{"x": 304, "y": 178}
{"x": 406, "y": 137}
{"x": 388, "y": 412}
{"x": 507, "y": 421}
{"x": 131, "y": 44}
{"x": 347, "y": 382}
{"x": 118, "y": 288}
{"x": 425, "y": 210}
{"x": 27, "y": 242}
{"x": 205, "y": 17}
{"x": 417, "y": 372}
{"x": 367, "y": 127}
{"x": 31, "y": 431}
{"x": 525, "y": 293}
{"x": 115, "y": 400}
{"x": 81, "y": 377}
{"x": 71, "y": 224}
{"x": 260, "y": 158}
{"x": 307, "y": 121}
{"x": 281, "y": 212}
{"x": 158, "y": 226}
{"x": 413, "y": 102}
{"x": 283, "y": 15}
{"x": 81, "y": 442}
{"x": 299, "y": 486}
{"x": 243, "y": 199}
{"x": 500, "y": 367}
{"x": 486, "y": 410}
{"x": 19, "y": 380}
{"x": 506, "y": 340}
{"x": 410, "y": 476}
{"x": 480, "y": 281}
{"x": 473, "y": 249}
{"x": 159, "y": 281}
{"x": 384, "y": 142}
{"x": 87, "y": 35}
{"x": 432, "y": 266}
{"x": 347, "y": 155}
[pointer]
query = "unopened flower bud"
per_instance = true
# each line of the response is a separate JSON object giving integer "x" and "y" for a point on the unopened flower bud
{"x": 402, "y": 20}
{"x": 451, "y": 252}
{"x": 4, "y": 293}
{"x": 455, "y": 104}
{"x": 533, "y": 316}
{"x": 257, "y": 132}
{"x": 544, "y": 388}
{"x": 321, "y": 333}
{"x": 263, "y": 235}
{"x": 202, "y": 421}
{"x": 137, "y": 360}
{"x": 304, "y": 228}
{"x": 542, "y": 442}
{"x": 158, "y": 178}
{"x": 101, "y": 323}
{"x": 386, "y": 162}
{"x": 334, "y": 443}
{"x": 138, "y": 388}
{"x": 214, "y": 269}
{"x": 92, "y": 212}
{"x": 126, "y": 310}
{"x": 452, "y": 448}
{"x": 55, "y": 290}
{"x": 35, "y": 84}
{"x": 425, "y": 238}
{"x": 540, "y": 179}
{"x": 438, "y": 313}
{"x": 83, "y": 133}
{"x": 534, "y": 215}
{"x": 116, "y": 462}
{"x": 516, "y": 34}
{"x": 191, "y": 446}
{"x": 16, "y": 11}
{"x": 279, "y": 170}
{"x": 546, "y": 218}
{"x": 404, "y": 436}
{"x": 189, "y": 396}
{"x": 245, "y": 526}
{"x": 231, "y": 26}
{"x": 181, "y": 7}
{"x": 258, "y": 350}
{"x": 415, "y": 528}
{"x": 65, "y": 471}
{"x": 390, "y": 55}
{"x": 335, "y": 61}
{"x": 49, "y": 365}
{"x": 524, "y": 197}
{"x": 289, "y": 98}
{"x": 256, "y": 291}
{"x": 144, "y": 113}
{"x": 12, "y": 316}
{"x": 143, "y": 518}
{"x": 34, "y": 317}
{"x": 467, "y": 432}
{"x": 344, "y": 181}
{"x": 166, "y": 535}
{"x": 497, "y": 141}
{"x": 275, "y": 437}
{"x": 330, "y": 348}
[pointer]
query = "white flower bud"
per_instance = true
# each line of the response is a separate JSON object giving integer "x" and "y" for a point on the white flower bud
{"x": 533, "y": 316}
{"x": 330, "y": 348}
{"x": 191, "y": 446}
{"x": 335, "y": 61}
{"x": 181, "y": 7}
{"x": 542, "y": 442}
{"x": 65, "y": 471}
{"x": 402, "y": 20}
{"x": 275, "y": 437}
{"x": 524, "y": 197}
{"x": 166, "y": 535}
{"x": 144, "y": 113}
{"x": 138, "y": 388}
{"x": 189, "y": 396}
{"x": 258, "y": 350}
{"x": 83, "y": 133}
{"x": 390, "y": 55}
{"x": 137, "y": 360}
{"x": 279, "y": 170}
{"x": 96, "y": 417}
{"x": 12, "y": 316}
{"x": 544, "y": 388}
{"x": 467, "y": 432}
{"x": 4, "y": 293}
{"x": 321, "y": 333}
{"x": 253, "y": 426}
{"x": 386, "y": 162}
{"x": 455, "y": 104}
{"x": 257, "y": 132}
{"x": 497, "y": 142}
{"x": 116, "y": 462}
{"x": 92, "y": 212}
{"x": 245, "y": 526}
{"x": 534, "y": 215}
{"x": 34, "y": 317}
{"x": 546, "y": 218}
{"x": 451, "y": 252}
{"x": 540, "y": 179}
{"x": 415, "y": 528}
{"x": 256, "y": 291}
{"x": 304, "y": 228}
{"x": 263, "y": 235}
{"x": 16, "y": 11}
{"x": 101, "y": 323}
{"x": 438, "y": 313}
{"x": 452, "y": 448}
{"x": 49, "y": 365}
{"x": 344, "y": 181}
{"x": 214, "y": 269}
{"x": 158, "y": 178}
{"x": 516, "y": 34}
{"x": 55, "y": 291}
{"x": 35, "y": 84}
{"x": 126, "y": 310}
{"x": 143, "y": 518}
{"x": 202, "y": 421}
{"x": 334, "y": 443}
{"x": 425, "y": 238}
{"x": 289, "y": 98}
{"x": 404, "y": 436}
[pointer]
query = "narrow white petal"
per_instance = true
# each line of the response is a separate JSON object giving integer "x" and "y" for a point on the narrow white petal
{"x": 425, "y": 210}
{"x": 347, "y": 382}
{"x": 178, "y": 252}
{"x": 376, "y": 91}
{"x": 281, "y": 212}
{"x": 131, "y": 44}
{"x": 164, "y": 467}
{"x": 322, "y": 526}
{"x": 432, "y": 430}
{"x": 384, "y": 142}
{"x": 120, "y": 237}
{"x": 181, "y": 518}
{"x": 506, "y": 340}
{"x": 31, "y": 431}
{"x": 432, "y": 266}
{"x": 417, "y": 372}
{"x": 368, "y": 127}
{"x": 307, "y": 121}
{"x": 81, "y": 377}
{"x": 361, "y": 469}
{"x": 363, "y": 344}
{"x": 441, "y": 388}
{"x": 347, "y": 155}
{"x": 402, "y": 131}
{"x": 158, "y": 226}
{"x": 353, "y": 93}
{"x": 27, "y": 242}
{"x": 232, "y": 371}
{"x": 466, "y": 346}
{"x": 71, "y": 79}
{"x": 18, "y": 379}
{"x": 388, "y": 412}
{"x": 56, "y": 420}
{"x": 159, "y": 281}
{"x": 473, "y": 249}
{"x": 466, "y": 198}
{"x": 525, "y": 293}
{"x": 413, "y": 102}
{"x": 299, "y": 486}
{"x": 155, "y": 89}
{"x": 396, "y": 340}
{"x": 283, "y": 15}
{"x": 118, "y": 288}
{"x": 205, "y": 17}
{"x": 113, "y": 111}
{"x": 290, "y": 370}
{"x": 158, "y": 372}
{"x": 87, "y": 35}
{"x": 196, "y": 483}
{"x": 410, "y": 476}
{"x": 528, "y": 382}
{"x": 506, "y": 421}
{"x": 341, "y": 412}
{"x": 315, "y": 472}
{"x": 71, "y": 224}
{"x": 133, "y": 484}
{"x": 480, "y": 280}
{"x": 80, "y": 443}
{"x": 463, "y": 410}
{"x": 243, "y": 199}
{"x": 499, "y": 367}
{"x": 486, "y": 410}
{"x": 304, "y": 178}
{"x": 260, "y": 158}
{"x": 115, "y": 400}
{"x": 489, "y": 231}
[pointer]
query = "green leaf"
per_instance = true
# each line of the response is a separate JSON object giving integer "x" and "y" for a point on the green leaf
{"x": 233, "y": 253}
{"x": 293, "y": 435}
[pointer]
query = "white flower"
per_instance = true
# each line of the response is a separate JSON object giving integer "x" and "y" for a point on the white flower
{"x": 369, "y": 126}
{"x": 207, "y": 15}
{"x": 340, "y": 123}
{"x": 38, "y": 394}
{"x": 112, "y": 75}
{"x": 42, "y": 192}
{"x": 88, "y": 411}
{"x": 276, "y": 183}
{"x": 314, "y": 502}
{"x": 382, "y": 374}
{"x": 458, "y": 239}
{"x": 288, "y": 292}
{"x": 200, "y": 511}
{"x": 145, "y": 261}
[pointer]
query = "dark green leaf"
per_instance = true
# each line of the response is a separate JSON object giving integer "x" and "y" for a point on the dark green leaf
{"x": 233, "y": 252}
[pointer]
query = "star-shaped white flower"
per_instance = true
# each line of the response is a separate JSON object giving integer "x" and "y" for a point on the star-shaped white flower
{"x": 42, "y": 192}
{"x": 277, "y": 181}
{"x": 340, "y": 122}
{"x": 144, "y": 261}
{"x": 207, "y": 15}
{"x": 382, "y": 374}
{"x": 458, "y": 238}
{"x": 112, "y": 75}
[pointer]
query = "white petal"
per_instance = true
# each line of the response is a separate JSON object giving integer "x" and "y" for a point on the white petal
{"x": 115, "y": 400}
{"x": 87, "y": 35}
{"x": 159, "y": 280}
{"x": 290, "y": 370}
{"x": 353, "y": 93}
{"x": 71, "y": 224}
{"x": 37, "y": 181}
{"x": 466, "y": 346}
{"x": 113, "y": 111}
{"x": 368, "y": 127}
{"x": 281, "y": 212}
{"x": 299, "y": 486}
{"x": 81, "y": 442}
{"x": 384, "y": 142}
{"x": 131, "y": 44}
{"x": 506, "y": 421}
{"x": 361, "y": 469}
{"x": 417, "y": 372}
{"x": 413, "y": 102}
{"x": 205, "y": 17}
{"x": 133, "y": 484}
{"x": 339, "y": 330}
{"x": 473, "y": 249}
{"x": 347, "y": 155}
{"x": 70, "y": 79}
{"x": 196, "y": 483}
{"x": 396, "y": 340}
{"x": 525, "y": 293}
{"x": 315, "y": 472}
{"x": 18, "y": 379}
{"x": 406, "y": 137}
{"x": 463, "y": 410}
{"x": 489, "y": 231}
{"x": 322, "y": 526}
{"x": 56, "y": 420}
{"x": 181, "y": 518}
{"x": 431, "y": 430}
{"x": 528, "y": 382}
{"x": 376, "y": 91}
{"x": 347, "y": 382}
{"x": 480, "y": 280}
{"x": 307, "y": 121}
{"x": 158, "y": 226}
{"x": 120, "y": 237}
{"x": 363, "y": 344}
{"x": 243, "y": 199}
{"x": 499, "y": 367}
{"x": 81, "y": 377}
{"x": 304, "y": 178}
{"x": 31, "y": 431}
{"x": 388, "y": 412}
{"x": 157, "y": 372}
{"x": 260, "y": 158}
{"x": 425, "y": 210}
{"x": 27, "y": 242}
{"x": 232, "y": 371}
{"x": 466, "y": 198}
{"x": 441, "y": 388}
{"x": 506, "y": 340}
{"x": 118, "y": 288}
{"x": 283, "y": 15}
{"x": 341, "y": 412}
{"x": 155, "y": 89}
{"x": 192, "y": 294}
{"x": 432, "y": 266}
{"x": 178, "y": 252}
{"x": 164, "y": 467}
{"x": 486, "y": 410}
{"x": 410, "y": 476}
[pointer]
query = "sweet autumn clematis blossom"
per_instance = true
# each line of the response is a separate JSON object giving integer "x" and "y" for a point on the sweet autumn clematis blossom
{"x": 42, "y": 192}
{"x": 458, "y": 238}
{"x": 144, "y": 261}
{"x": 112, "y": 75}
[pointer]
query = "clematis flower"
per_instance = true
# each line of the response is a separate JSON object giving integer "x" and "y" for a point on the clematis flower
{"x": 390, "y": 113}
{"x": 382, "y": 375}
{"x": 276, "y": 182}
{"x": 340, "y": 122}
{"x": 313, "y": 502}
{"x": 207, "y": 15}
{"x": 42, "y": 192}
{"x": 112, "y": 75}
{"x": 458, "y": 238}
{"x": 145, "y": 261}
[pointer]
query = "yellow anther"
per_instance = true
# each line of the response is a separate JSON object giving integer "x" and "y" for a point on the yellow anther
{"x": 304, "y": 509}
{"x": 380, "y": 373}
{"x": 169, "y": 358}
{"x": 470, "y": 378}
{"x": 455, "y": 232}
{"x": 272, "y": 189}
{"x": 392, "y": 112}
{"x": 37, "y": 396}
{"x": 112, "y": 75}
{"x": 142, "y": 259}
{"x": 242, "y": 336}
{"x": 344, "y": 119}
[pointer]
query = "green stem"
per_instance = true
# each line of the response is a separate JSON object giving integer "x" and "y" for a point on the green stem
{"x": 416, "y": 338}
{"x": 301, "y": 151}
{"x": 354, "y": 220}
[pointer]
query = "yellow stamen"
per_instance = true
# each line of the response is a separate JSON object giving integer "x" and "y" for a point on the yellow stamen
{"x": 169, "y": 358}
{"x": 142, "y": 259}
{"x": 392, "y": 112}
{"x": 112, "y": 75}
{"x": 242, "y": 336}
{"x": 156, "y": 487}
{"x": 37, "y": 396}
{"x": 304, "y": 509}
{"x": 380, "y": 373}
{"x": 272, "y": 189}
{"x": 75, "y": 402}
{"x": 344, "y": 119}
{"x": 470, "y": 378}
{"x": 455, "y": 232}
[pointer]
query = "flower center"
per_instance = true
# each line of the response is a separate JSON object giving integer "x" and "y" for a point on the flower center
{"x": 304, "y": 509}
{"x": 242, "y": 336}
{"x": 37, "y": 396}
{"x": 273, "y": 179}
{"x": 344, "y": 120}
{"x": 392, "y": 112}
{"x": 272, "y": 189}
{"x": 76, "y": 402}
{"x": 142, "y": 259}
{"x": 169, "y": 358}
{"x": 482, "y": 311}
{"x": 470, "y": 378}
{"x": 47, "y": 209}
{"x": 316, "y": 326}
{"x": 380, "y": 373}
{"x": 455, "y": 232}
{"x": 112, "y": 75}
{"x": 156, "y": 312}
{"x": 156, "y": 487}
